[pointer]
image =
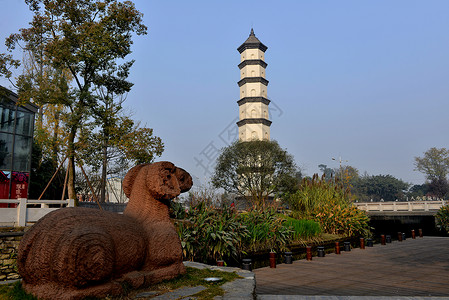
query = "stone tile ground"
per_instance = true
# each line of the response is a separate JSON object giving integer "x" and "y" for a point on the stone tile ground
{"x": 412, "y": 268}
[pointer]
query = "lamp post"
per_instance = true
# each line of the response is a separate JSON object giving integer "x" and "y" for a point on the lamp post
{"x": 341, "y": 171}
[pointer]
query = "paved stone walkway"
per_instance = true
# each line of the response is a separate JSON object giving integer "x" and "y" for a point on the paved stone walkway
{"x": 412, "y": 269}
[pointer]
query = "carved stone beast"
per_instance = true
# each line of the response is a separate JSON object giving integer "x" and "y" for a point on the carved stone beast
{"x": 72, "y": 253}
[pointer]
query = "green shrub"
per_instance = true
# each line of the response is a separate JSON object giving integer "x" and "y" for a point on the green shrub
{"x": 442, "y": 218}
{"x": 345, "y": 220}
{"x": 303, "y": 229}
{"x": 177, "y": 210}
{"x": 330, "y": 204}
{"x": 209, "y": 234}
{"x": 266, "y": 230}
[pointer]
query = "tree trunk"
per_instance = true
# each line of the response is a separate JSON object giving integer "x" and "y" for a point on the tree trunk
{"x": 103, "y": 174}
{"x": 54, "y": 156}
{"x": 71, "y": 165}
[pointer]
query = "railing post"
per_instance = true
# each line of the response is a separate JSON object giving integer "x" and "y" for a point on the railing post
{"x": 394, "y": 207}
{"x": 22, "y": 212}
{"x": 71, "y": 203}
{"x": 410, "y": 208}
{"x": 426, "y": 206}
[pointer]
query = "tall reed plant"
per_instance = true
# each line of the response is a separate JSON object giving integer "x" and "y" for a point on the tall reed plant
{"x": 315, "y": 192}
{"x": 266, "y": 230}
{"x": 330, "y": 204}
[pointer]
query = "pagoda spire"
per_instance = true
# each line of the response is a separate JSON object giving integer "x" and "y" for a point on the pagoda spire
{"x": 254, "y": 123}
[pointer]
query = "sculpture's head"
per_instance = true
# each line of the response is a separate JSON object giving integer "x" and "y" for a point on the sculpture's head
{"x": 163, "y": 180}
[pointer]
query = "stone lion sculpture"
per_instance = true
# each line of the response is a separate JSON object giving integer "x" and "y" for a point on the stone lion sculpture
{"x": 72, "y": 253}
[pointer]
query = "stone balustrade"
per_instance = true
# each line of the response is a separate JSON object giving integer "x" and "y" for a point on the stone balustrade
{"x": 28, "y": 211}
{"x": 410, "y": 206}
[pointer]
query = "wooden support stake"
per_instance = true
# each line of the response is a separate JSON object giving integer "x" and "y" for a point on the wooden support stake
{"x": 90, "y": 186}
{"x": 48, "y": 184}
{"x": 65, "y": 183}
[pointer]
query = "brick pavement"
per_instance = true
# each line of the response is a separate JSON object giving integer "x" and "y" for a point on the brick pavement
{"x": 418, "y": 268}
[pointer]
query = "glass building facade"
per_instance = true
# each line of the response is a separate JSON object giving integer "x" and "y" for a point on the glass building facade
{"x": 16, "y": 140}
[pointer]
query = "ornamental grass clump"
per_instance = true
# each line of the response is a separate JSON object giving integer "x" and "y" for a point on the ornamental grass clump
{"x": 330, "y": 204}
{"x": 266, "y": 230}
{"x": 303, "y": 229}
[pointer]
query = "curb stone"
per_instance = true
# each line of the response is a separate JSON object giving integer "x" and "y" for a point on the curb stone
{"x": 181, "y": 293}
{"x": 299, "y": 297}
{"x": 9, "y": 281}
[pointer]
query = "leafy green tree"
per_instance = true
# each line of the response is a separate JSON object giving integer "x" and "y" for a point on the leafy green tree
{"x": 418, "y": 190}
{"x": 255, "y": 170}
{"x": 327, "y": 172}
{"x": 7, "y": 62}
{"x": 118, "y": 144}
{"x": 87, "y": 38}
{"x": 346, "y": 174}
{"x": 439, "y": 188}
{"x": 434, "y": 164}
{"x": 378, "y": 187}
{"x": 46, "y": 87}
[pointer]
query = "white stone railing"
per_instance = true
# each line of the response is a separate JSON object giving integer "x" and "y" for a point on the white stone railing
{"x": 23, "y": 215}
{"x": 401, "y": 206}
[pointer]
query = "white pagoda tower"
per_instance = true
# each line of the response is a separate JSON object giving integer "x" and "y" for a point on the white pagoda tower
{"x": 254, "y": 123}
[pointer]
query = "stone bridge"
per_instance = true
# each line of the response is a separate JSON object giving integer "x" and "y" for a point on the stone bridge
{"x": 412, "y": 208}
{"x": 392, "y": 217}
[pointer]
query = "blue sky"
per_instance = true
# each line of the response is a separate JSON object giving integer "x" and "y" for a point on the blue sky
{"x": 367, "y": 81}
